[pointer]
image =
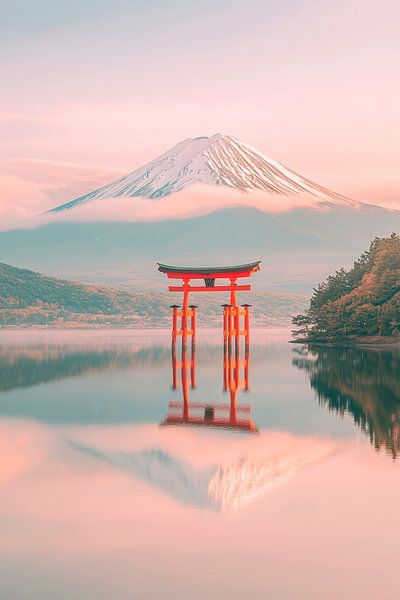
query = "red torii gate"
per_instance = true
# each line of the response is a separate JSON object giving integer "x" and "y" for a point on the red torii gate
{"x": 232, "y": 312}
{"x": 214, "y": 415}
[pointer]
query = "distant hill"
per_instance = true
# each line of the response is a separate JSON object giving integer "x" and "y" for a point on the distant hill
{"x": 31, "y": 299}
{"x": 359, "y": 302}
{"x": 28, "y": 297}
{"x": 298, "y": 247}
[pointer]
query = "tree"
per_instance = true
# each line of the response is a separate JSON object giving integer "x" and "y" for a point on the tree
{"x": 364, "y": 300}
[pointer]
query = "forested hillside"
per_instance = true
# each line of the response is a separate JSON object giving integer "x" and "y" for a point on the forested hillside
{"x": 31, "y": 299}
{"x": 362, "y": 301}
{"x": 28, "y": 297}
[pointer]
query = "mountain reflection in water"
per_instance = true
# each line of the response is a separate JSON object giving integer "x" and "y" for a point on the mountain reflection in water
{"x": 233, "y": 470}
{"x": 363, "y": 383}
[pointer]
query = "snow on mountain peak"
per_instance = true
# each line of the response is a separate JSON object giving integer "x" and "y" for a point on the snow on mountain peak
{"x": 219, "y": 160}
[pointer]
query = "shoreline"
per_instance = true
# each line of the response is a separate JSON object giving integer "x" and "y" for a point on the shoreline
{"x": 150, "y": 326}
{"x": 369, "y": 342}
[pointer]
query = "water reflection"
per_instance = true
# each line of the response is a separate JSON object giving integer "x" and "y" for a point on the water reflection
{"x": 99, "y": 501}
{"x": 97, "y": 379}
{"x": 233, "y": 415}
{"x": 362, "y": 383}
{"x": 24, "y": 366}
{"x": 206, "y": 469}
{"x": 210, "y": 469}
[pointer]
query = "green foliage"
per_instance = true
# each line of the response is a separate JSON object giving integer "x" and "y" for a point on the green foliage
{"x": 361, "y": 301}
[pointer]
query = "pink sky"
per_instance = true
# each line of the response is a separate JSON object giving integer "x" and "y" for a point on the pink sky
{"x": 88, "y": 94}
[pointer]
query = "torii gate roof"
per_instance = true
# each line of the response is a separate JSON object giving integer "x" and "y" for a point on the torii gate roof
{"x": 199, "y": 272}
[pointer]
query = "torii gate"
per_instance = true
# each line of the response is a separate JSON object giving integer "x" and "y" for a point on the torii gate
{"x": 232, "y": 312}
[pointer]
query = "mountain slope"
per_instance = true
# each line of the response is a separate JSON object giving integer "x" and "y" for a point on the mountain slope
{"x": 220, "y": 160}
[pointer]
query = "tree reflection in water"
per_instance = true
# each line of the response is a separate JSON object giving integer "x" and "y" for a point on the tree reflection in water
{"x": 364, "y": 383}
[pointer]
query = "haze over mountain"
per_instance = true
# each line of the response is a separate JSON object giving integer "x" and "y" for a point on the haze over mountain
{"x": 298, "y": 248}
{"x": 220, "y": 160}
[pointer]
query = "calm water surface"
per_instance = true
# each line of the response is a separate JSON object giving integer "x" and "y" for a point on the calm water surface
{"x": 102, "y": 497}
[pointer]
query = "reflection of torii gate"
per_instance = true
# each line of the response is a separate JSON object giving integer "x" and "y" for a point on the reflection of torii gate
{"x": 232, "y": 415}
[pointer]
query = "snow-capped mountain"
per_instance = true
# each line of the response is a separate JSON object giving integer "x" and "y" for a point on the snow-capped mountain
{"x": 220, "y": 160}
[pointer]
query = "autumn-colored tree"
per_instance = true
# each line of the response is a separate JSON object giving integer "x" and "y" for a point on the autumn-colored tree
{"x": 361, "y": 301}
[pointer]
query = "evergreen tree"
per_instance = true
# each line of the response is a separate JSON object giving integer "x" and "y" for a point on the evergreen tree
{"x": 361, "y": 301}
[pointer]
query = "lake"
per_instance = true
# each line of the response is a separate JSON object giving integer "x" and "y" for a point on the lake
{"x": 125, "y": 474}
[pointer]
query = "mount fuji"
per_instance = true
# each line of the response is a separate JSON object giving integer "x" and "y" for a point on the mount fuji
{"x": 220, "y": 160}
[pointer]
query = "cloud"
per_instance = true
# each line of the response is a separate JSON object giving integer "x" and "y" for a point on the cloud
{"x": 197, "y": 200}
{"x": 20, "y": 202}
{"x": 25, "y": 204}
{"x": 61, "y": 181}
{"x": 29, "y": 187}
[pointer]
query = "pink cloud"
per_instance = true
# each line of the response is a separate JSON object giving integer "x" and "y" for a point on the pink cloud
{"x": 28, "y": 201}
{"x": 30, "y": 187}
{"x": 20, "y": 201}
